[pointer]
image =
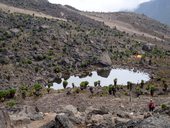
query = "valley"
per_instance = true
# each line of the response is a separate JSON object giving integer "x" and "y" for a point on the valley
{"x": 40, "y": 43}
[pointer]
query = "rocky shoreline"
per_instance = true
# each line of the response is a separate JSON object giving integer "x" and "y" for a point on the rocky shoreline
{"x": 70, "y": 116}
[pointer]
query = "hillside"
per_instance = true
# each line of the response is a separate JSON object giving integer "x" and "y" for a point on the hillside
{"x": 38, "y": 48}
{"x": 132, "y": 23}
{"x": 157, "y": 9}
{"x": 40, "y": 43}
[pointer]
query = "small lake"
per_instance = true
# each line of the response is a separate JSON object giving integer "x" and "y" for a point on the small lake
{"x": 106, "y": 78}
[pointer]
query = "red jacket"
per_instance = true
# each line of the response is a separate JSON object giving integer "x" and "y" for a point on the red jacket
{"x": 151, "y": 105}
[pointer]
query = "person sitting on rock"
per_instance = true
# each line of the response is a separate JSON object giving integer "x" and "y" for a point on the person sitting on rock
{"x": 151, "y": 106}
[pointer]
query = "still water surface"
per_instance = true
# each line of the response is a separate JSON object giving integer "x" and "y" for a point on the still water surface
{"x": 106, "y": 78}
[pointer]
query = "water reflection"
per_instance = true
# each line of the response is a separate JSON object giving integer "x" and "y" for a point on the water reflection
{"x": 106, "y": 77}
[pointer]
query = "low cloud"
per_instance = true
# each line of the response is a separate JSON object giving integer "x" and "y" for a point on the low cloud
{"x": 102, "y": 5}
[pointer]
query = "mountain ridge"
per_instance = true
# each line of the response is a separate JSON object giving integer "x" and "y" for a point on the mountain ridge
{"x": 157, "y": 9}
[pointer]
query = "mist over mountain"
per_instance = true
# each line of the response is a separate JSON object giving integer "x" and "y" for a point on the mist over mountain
{"x": 157, "y": 9}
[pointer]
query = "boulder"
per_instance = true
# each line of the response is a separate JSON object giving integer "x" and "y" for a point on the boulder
{"x": 148, "y": 47}
{"x": 101, "y": 111}
{"x": 105, "y": 59}
{"x": 37, "y": 116}
{"x": 71, "y": 108}
{"x": 119, "y": 120}
{"x": 62, "y": 121}
{"x": 74, "y": 115}
{"x": 5, "y": 120}
{"x": 155, "y": 121}
{"x": 159, "y": 121}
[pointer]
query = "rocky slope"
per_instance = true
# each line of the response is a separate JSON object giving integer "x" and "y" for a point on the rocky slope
{"x": 37, "y": 49}
{"x": 132, "y": 23}
{"x": 47, "y": 41}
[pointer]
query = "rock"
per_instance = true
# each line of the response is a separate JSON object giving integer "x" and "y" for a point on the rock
{"x": 62, "y": 121}
{"x": 44, "y": 27}
{"x": 15, "y": 30}
{"x": 119, "y": 120}
{"x": 91, "y": 110}
{"x": 123, "y": 114}
{"x": 20, "y": 120}
{"x": 130, "y": 124}
{"x": 148, "y": 47}
{"x": 5, "y": 121}
{"x": 97, "y": 119}
{"x": 146, "y": 115}
{"x": 105, "y": 59}
{"x": 155, "y": 121}
{"x": 38, "y": 116}
{"x": 159, "y": 121}
{"x": 71, "y": 108}
{"x": 74, "y": 115}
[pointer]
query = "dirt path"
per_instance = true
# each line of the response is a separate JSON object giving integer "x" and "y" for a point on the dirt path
{"x": 122, "y": 26}
{"x": 11, "y": 9}
{"x": 37, "y": 124}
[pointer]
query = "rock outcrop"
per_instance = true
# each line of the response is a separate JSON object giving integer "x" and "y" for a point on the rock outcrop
{"x": 5, "y": 120}
{"x": 92, "y": 117}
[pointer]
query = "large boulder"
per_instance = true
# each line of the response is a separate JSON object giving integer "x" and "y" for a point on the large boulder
{"x": 159, "y": 121}
{"x": 105, "y": 59}
{"x": 62, "y": 121}
{"x": 155, "y": 121}
{"x": 5, "y": 120}
{"x": 148, "y": 47}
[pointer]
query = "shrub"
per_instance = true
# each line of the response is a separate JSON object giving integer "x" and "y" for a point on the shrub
{"x": 95, "y": 83}
{"x": 76, "y": 90}
{"x": 98, "y": 82}
{"x": 142, "y": 84}
{"x": 23, "y": 90}
{"x": 165, "y": 86}
{"x": 115, "y": 82}
{"x": 12, "y": 93}
{"x": 11, "y": 103}
{"x": 65, "y": 83}
{"x": 129, "y": 86}
{"x": 57, "y": 69}
{"x": 84, "y": 84}
{"x": 152, "y": 90}
{"x": 48, "y": 90}
{"x": 163, "y": 106}
{"x": 2, "y": 95}
{"x": 37, "y": 87}
{"x": 110, "y": 89}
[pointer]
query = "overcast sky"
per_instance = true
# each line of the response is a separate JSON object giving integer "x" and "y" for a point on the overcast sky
{"x": 102, "y": 5}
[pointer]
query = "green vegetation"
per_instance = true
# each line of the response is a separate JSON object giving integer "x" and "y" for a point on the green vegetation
{"x": 142, "y": 84}
{"x": 49, "y": 87}
{"x": 83, "y": 85}
{"x": 115, "y": 82}
{"x": 11, "y": 103}
{"x": 7, "y": 94}
{"x": 164, "y": 106}
{"x": 23, "y": 89}
{"x": 37, "y": 89}
{"x": 65, "y": 83}
{"x": 95, "y": 83}
{"x": 152, "y": 90}
{"x": 129, "y": 85}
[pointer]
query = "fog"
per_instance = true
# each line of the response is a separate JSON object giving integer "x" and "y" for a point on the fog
{"x": 102, "y": 5}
